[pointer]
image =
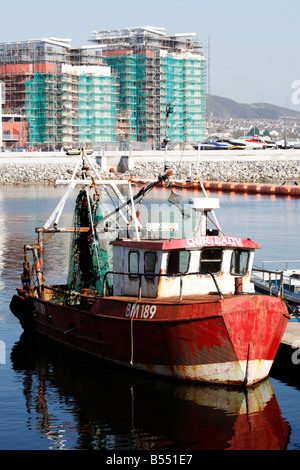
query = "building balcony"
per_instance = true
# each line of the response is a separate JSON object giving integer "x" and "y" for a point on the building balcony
{"x": 10, "y": 137}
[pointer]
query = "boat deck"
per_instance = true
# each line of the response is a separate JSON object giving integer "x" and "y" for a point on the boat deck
{"x": 191, "y": 299}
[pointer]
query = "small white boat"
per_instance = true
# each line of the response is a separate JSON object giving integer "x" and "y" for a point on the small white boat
{"x": 283, "y": 283}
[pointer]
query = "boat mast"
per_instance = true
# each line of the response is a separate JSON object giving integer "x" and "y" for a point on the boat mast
{"x": 51, "y": 224}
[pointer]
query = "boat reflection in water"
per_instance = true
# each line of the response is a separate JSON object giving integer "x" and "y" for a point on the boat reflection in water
{"x": 78, "y": 406}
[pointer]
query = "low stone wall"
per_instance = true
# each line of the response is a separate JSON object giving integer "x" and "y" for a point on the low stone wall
{"x": 235, "y": 171}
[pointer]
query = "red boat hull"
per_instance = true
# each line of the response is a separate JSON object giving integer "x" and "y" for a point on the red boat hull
{"x": 233, "y": 340}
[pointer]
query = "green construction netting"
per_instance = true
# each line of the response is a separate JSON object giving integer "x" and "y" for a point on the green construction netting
{"x": 97, "y": 114}
{"x": 124, "y": 68}
{"x": 89, "y": 255}
{"x": 183, "y": 87}
{"x": 51, "y": 112}
{"x": 36, "y": 107}
{"x": 134, "y": 99}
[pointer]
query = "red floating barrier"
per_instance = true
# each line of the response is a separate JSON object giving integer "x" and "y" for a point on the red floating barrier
{"x": 249, "y": 188}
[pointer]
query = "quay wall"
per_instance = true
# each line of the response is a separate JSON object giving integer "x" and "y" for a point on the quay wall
{"x": 280, "y": 167}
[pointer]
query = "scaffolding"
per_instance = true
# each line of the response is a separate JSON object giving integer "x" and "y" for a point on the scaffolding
{"x": 124, "y": 68}
{"x": 148, "y": 81}
{"x": 155, "y": 70}
{"x": 116, "y": 89}
{"x": 65, "y": 103}
{"x": 97, "y": 114}
{"x": 35, "y": 105}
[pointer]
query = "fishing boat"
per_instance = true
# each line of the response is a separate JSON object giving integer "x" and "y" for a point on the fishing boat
{"x": 140, "y": 296}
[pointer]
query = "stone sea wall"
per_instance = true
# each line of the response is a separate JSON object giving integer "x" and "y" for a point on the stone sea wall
{"x": 236, "y": 171}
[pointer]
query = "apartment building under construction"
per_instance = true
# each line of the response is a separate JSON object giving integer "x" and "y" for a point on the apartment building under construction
{"x": 64, "y": 104}
{"x": 137, "y": 84}
{"x": 157, "y": 72}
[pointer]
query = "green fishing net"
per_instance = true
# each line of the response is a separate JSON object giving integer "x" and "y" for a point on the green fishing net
{"x": 90, "y": 251}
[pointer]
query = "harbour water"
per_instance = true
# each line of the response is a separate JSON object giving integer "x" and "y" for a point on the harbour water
{"x": 49, "y": 400}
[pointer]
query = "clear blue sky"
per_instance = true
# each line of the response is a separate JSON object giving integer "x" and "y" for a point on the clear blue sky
{"x": 254, "y": 45}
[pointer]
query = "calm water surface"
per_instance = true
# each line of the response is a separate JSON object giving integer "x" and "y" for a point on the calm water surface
{"x": 50, "y": 401}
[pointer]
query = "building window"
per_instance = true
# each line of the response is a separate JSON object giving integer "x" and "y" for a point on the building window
{"x": 239, "y": 263}
{"x": 178, "y": 262}
{"x": 210, "y": 261}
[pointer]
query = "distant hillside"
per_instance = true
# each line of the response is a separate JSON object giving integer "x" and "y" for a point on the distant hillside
{"x": 225, "y": 108}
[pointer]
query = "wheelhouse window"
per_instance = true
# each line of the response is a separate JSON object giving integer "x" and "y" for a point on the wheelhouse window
{"x": 133, "y": 264}
{"x": 178, "y": 262}
{"x": 150, "y": 262}
{"x": 210, "y": 261}
{"x": 239, "y": 262}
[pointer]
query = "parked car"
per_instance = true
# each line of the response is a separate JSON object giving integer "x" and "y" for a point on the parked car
{"x": 19, "y": 149}
{"x": 4, "y": 149}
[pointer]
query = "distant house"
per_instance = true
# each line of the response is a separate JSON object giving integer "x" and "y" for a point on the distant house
{"x": 274, "y": 134}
